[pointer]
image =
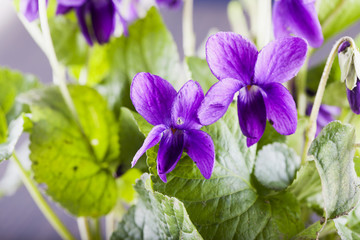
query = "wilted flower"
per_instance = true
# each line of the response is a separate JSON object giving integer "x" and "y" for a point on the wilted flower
{"x": 326, "y": 115}
{"x": 297, "y": 17}
{"x": 176, "y": 125}
{"x": 257, "y": 77}
{"x": 349, "y": 61}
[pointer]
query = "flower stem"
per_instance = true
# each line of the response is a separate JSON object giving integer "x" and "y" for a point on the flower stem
{"x": 89, "y": 228}
{"x": 41, "y": 202}
{"x": 264, "y": 27}
{"x": 311, "y": 128}
{"x": 301, "y": 85}
{"x": 59, "y": 71}
{"x": 188, "y": 29}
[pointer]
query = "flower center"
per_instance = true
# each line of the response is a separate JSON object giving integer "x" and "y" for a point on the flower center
{"x": 248, "y": 87}
{"x": 179, "y": 121}
{"x": 173, "y": 130}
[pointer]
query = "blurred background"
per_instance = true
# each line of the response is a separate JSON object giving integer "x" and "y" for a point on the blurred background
{"x": 19, "y": 216}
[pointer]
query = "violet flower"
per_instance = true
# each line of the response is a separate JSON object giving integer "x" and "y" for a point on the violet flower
{"x": 326, "y": 115}
{"x": 174, "y": 116}
{"x": 102, "y": 15}
{"x": 30, "y": 9}
{"x": 297, "y": 17}
{"x": 257, "y": 77}
{"x": 169, "y": 3}
{"x": 349, "y": 61}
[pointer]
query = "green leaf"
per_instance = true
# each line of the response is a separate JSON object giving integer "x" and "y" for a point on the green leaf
{"x": 276, "y": 165}
{"x": 310, "y": 232}
{"x": 12, "y": 84}
{"x": 333, "y": 151}
{"x": 337, "y": 15}
{"x": 70, "y": 46}
{"x": 15, "y": 130}
{"x": 148, "y": 48}
{"x": 200, "y": 72}
{"x": 226, "y": 206}
{"x": 126, "y": 192}
{"x": 76, "y": 165}
{"x": 155, "y": 216}
{"x": 348, "y": 227}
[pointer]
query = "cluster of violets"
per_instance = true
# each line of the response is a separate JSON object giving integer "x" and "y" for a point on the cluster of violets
{"x": 256, "y": 77}
{"x": 105, "y": 15}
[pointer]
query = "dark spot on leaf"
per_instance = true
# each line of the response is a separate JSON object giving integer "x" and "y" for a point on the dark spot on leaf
{"x": 75, "y": 168}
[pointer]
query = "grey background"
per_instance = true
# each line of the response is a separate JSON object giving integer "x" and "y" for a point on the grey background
{"x": 19, "y": 216}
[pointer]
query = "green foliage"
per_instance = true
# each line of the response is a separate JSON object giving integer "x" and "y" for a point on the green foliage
{"x": 333, "y": 151}
{"x": 213, "y": 205}
{"x": 348, "y": 227}
{"x": 336, "y": 15}
{"x": 156, "y": 216}
{"x": 200, "y": 72}
{"x": 76, "y": 163}
{"x": 310, "y": 232}
{"x": 15, "y": 130}
{"x": 270, "y": 136}
{"x": 12, "y": 84}
{"x": 276, "y": 165}
{"x": 148, "y": 48}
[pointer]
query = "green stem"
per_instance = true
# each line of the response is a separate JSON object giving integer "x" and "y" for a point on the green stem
{"x": 264, "y": 28}
{"x": 188, "y": 29}
{"x": 59, "y": 71}
{"x": 311, "y": 128}
{"x": 89, "y": 228}
{"x": 41, "y": 202}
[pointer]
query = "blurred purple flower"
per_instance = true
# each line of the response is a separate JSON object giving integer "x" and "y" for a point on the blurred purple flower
{"x": 349, "y": 61}
{"x": 169, "y": 3}
{"x": 174, "y": 115}
{"x": 101, "y": 13}
{"x": 326, "y": 115}
{"x": 30, "y": 9}
{"x": 257, "y": 77}
{"x": 297, "y": 17}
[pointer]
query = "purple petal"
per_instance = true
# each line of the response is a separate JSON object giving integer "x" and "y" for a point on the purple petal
{"x": 169, "y": 3}
{"x": 71, "y": 3}
{"x": 103, "y": 19}
{"x": 354, "y": 98}
{"x": 152, "y": 97}
{"x": 200, "y": 149}
{"x": 298, "y": 17}
{"x": 81, "y": 13}
{"x": 162, "y": 177}
{"x": 30, "y": 9}
{"x": 280, "y": 60}
{"x": 170, "y": 150}
{"x": 280, "y": 108}
{"x": 230, "y": 55}
{"x": 62, "y": 9}
{"x": 251, "y": 113}
{"x": 151, "y": 140}
{"x": 217, "y": 100}
{"x": 185, "y": 106}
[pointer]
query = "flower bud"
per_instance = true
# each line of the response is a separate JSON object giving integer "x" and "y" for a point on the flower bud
{"x": 349, "y": 61}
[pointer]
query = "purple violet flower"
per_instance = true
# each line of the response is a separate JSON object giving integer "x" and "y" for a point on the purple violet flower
{"x": 102, "y": 15}
{"x": 30, "y": 9}
{"x": 169, "y": 3}
{"x": 257, "y": 77}
{"x": 297, "y": 17}
{"x": 174, "y": 115}
{"x": 326, "y": 115}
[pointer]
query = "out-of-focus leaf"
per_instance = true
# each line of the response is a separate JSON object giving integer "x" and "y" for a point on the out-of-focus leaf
{"x": 76, "y": 165}
{"x": 348, "y": 227}
{"x": 337, "y": 15}
{"x": 270, "y": 136}
{"x": 200, "y": 72}
{"x": 148, "y": 48}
